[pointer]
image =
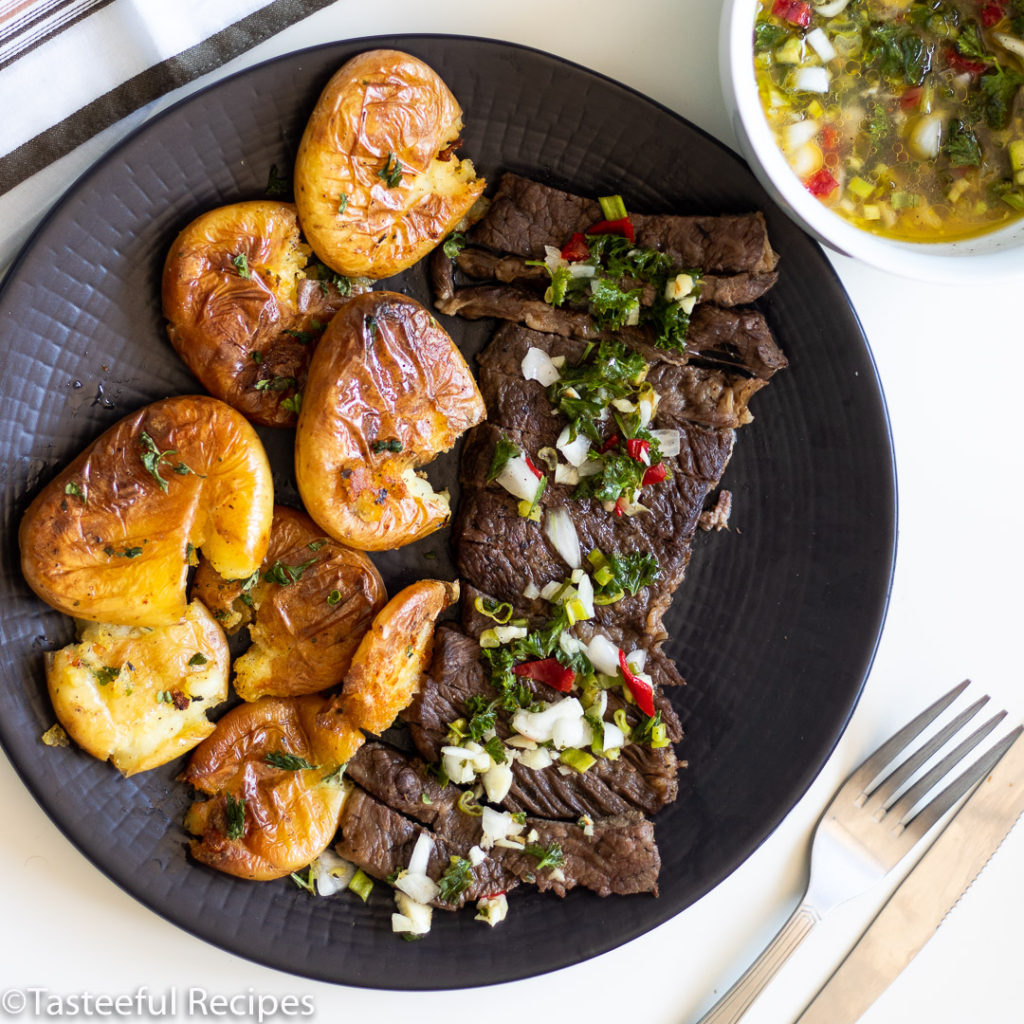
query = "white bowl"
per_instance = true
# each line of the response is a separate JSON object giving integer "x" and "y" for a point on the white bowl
{"x": 995, "y": 256}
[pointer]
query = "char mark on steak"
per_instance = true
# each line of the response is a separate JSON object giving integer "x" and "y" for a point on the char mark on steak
{"x": 620, "y": 856}
{"x": 525, "y": 215}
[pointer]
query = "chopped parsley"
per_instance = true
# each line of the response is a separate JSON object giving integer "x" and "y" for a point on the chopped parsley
{"x": 391, "y": 444}
{"x": 550, "y": 856}
{"x": 76, "y": 491}
{"x": 276, "y": 384}
{"x": 504, "y": 452}
{"x": 105, "y": 673}
{"x": 483, "y": 715}
{"x": 234, "y": 812}
{"x": 293, "y": 403}
{"x": 288, "y": 762}
{"x": 198, "y": 659}
{"x": 241, "y": 262}
{"x": 277, "y": 184}
{"x": 457, "y": 878}
{"x": 962, "y": 146}
{"x": 285, "y": 574}
{"x": 454, "y": 244}
{"x": 334, "y": 597}
{"x": 342, "y": 203}
{"x": 391, "y": 172}
{"x": 152, "y": 457}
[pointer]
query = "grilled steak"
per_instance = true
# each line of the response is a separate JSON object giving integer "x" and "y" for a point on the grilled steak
{"x": 526, "y": 215}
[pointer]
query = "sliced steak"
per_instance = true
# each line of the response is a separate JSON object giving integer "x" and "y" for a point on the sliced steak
{"x": 526, "y": 215}
{"x": 641, "y": 779}
{"x": 619, "y": 856}
{"x": 717, "y": 289}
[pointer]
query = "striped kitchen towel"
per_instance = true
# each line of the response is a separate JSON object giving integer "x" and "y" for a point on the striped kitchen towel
{"x": 70, "y": 68}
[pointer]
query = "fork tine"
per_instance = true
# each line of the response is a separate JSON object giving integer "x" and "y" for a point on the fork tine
{"x": 881, "y": 795}
{"x": 931, "y": 812}
{"x": 900, "y": 809}
{"x": 888, "y": 751}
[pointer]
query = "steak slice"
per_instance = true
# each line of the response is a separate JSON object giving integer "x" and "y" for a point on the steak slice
{"x": 737, "y": 339}
{"x": 641, "y": 779}
{"x": 483, "y": 265}
{"x": 620, "y": 856}
{"x": 526, "y": 215}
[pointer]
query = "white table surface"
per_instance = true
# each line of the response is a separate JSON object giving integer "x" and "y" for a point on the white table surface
{"x": 947, "y": 359}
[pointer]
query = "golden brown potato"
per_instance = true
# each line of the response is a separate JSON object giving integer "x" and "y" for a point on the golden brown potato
{"x": 311, "y": 605}
{"x": 276, "y": 794}
{"x": 389, "y": 663}
{"x": 245, "y": 307}
{"x": 111, "y": 537}
{"x": 139, "y": 695}
{"x": 377, "y": 184}
{"x": 387, "y": 391}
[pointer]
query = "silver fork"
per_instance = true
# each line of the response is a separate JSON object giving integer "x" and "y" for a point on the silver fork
{"x": 867, "y": 829}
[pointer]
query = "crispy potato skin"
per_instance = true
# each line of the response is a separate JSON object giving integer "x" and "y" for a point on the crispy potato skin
{"x": 246, "y": 329}
{"x": 304, "y": 632}
{"x": 105, "y": 541}
{"x": 389, "y": 664}
{"x": 290, "y": 817}
{"x": 382, "y": 107}
{"x": 384, "y": 375}
{"x": 107, "y": 688}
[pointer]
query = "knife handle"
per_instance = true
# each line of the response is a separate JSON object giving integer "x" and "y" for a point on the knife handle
{"x": 731, "y": 1007}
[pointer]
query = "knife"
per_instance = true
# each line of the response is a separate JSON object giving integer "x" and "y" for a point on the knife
{"x": 922, "y": 900}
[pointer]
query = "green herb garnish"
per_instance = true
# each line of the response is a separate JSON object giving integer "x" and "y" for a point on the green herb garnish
{"x": 76, "y": 491}
{"x": 105, "y": 674}
{"x": 391, "y": 172}
{"x": 547, "y": 856}
{"x": 286, "y": 574}
{"x": 457, "y": 878}
{"x": 152, "y": 457}
{"x": 276, "y": 384}
{"x": 198, "y": 659}
{"x": 234, "y": 810}
{"x": 288, "y": 762}
{"x": 241, "y": 262}
{"x": 391, "y": 444}
{"x": 454, "y": 244}
{"x": 504, "y": 452}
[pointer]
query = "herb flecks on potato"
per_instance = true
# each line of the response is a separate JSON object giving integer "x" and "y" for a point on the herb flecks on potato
{"x": 308, "y": 608}
{"x": 110, "y": 538}
{"x": 388, "y": 390}
{"x": 136, "y": 695}
{"x": 276, "y": 792}
{"x": 377, "y": 182}
{"x": 245, "y": 306}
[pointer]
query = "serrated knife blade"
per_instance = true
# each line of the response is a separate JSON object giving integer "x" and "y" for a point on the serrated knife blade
{"x": 922, "y": 900}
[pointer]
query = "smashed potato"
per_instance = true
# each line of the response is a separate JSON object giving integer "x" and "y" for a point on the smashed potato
{"x": 389, "y": 664}
{"x": 276, "y": 794}
{"x": 136, "y": 695}
{"x": 377, "y": 183}
{"x": 110, "y": 539}
{"x": 245, "y": 306}
{"x": 388, "y": 390}
{"x": 310, "y": 606}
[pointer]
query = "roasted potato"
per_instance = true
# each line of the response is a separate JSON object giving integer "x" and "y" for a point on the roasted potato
{"x": 389, "y": 663}
{"x": 276, "y": 792}
{"x": 310, "y": 606}
{"x": 137, "y": 695}
{"x": 377, "y": 183}
{"x": 245, "y": 307}
{"x": 387, "y": 391}
{"x": 110, "y": 539}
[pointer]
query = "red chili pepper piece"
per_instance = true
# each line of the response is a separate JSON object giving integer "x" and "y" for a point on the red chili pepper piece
{"x": 911, "y": 97}
{"x": 821, "y": 183}
{"x": 655, "y": 474}
{"x": 643, "y": 692}
{"x": 609, "y": 444}
{"x": 624, "y": 226}
{"x": 962, "y": 66}
{"x": 830, "y": 136}
{"x": 796, "y": 12}
{"x": 992, "y": 13}
{"x": 637, "y": 448}
{"x": 620, "y": 506}
{"x": 549, "y": 671}
{"x": 533, "y": 469}
{"x": 576, "y": 248}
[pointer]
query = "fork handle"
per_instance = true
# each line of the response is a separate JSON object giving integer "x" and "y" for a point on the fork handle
{"x": 731, "y": 1007}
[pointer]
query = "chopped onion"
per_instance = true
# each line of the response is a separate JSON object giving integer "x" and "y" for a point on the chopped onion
{"x": 613, "y": 737}
{"x": 539, "y": 725}
{"x": 799, "y": 132}
{"x": 519, "y": 480}
{"x": 582, "y": 270}
{"x": 561, "y": 531}
{"x": 599, "y": 705}
{"x": 574, "y": 451}
{"x": 569, "y": 475}
{"x": 537, "y": 366}
{"x": 603, "y": 655}
{"x": 1011, "y": 43}
{"x": 571, "y": 644}
{"x": 572, "y": 732}
{"x": 926, "y": 136}
{"x": 812, "y": 79}
{"x": 331, "y": 873}
{"x": 492, "y": 910}
{"x": 591, "y": 468}
{"x": 551, "y": 590}
{"x": 531, "y": 591}
{"x": 807, "y": 159}
{"x": 413, "y": 918}
{"x": 553, "y": 258}
{"x": 668, "y": 442}
{"x": 497, "y": 825}
{"x": 520, "y": 743}
{"x": 536, "y": 760}
{"x": 476, "y": 856}
{"x": 585, "y": 593}
{"x": 497, "y": 781}
{"x": 637, "y": 659}
{"x": 821, "y": 43}
{"x": 419, "y": 861}
{"x": 623, "y": 405}
{"x": 830, "y": 10}
{"x": 420, "y": 888}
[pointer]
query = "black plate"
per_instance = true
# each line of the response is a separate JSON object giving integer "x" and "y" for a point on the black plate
{"x": 775, "y": 627}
